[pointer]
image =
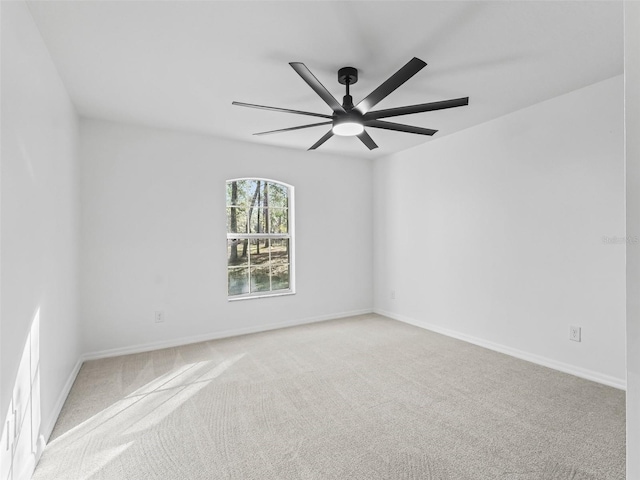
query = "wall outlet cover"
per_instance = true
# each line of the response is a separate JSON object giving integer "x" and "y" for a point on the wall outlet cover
{"x": 575, "y": 333}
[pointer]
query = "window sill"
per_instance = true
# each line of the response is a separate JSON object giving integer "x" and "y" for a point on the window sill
{"x": 281, "y": 293}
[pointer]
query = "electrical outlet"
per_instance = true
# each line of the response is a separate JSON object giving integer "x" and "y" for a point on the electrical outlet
{"x": 392, "y": 295}
{"x": 574, "y": 333}
{"x": 159, "y": 316}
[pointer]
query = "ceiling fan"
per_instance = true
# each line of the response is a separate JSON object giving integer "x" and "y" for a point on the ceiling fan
{"x": 350, "y": 120}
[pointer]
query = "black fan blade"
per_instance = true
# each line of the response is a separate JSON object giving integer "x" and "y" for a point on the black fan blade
{"x": 394, "y": 81}
{"x": 367, "y": 140}
{"x": 326, "y": 137}
{"x": 398, "y": 127}
{"x": 277, "y": 109}
{"x": 314, "y": 83}
{"x": 293, "y": 128}
{"x": 423, "y": 107}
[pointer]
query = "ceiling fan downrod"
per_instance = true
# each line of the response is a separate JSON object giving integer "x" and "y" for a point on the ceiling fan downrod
{"x": 347, "y": 76}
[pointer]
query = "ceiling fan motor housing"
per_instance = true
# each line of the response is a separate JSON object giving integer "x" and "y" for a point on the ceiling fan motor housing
{"x": 349, "y": 123}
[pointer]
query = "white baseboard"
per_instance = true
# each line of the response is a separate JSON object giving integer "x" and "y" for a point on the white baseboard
{"x": 530, "y": 357}
{"x": 147, "y": 347}
{"x": 48, "y": 428}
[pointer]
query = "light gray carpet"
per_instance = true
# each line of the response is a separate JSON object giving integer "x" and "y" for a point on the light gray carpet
{"x": 359, "y": 398}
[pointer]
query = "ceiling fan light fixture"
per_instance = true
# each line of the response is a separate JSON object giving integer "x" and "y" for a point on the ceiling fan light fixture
{"x": 347, "y": 128}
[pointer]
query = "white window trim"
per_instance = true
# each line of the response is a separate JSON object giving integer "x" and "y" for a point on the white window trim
{"x": 290, "y": 236}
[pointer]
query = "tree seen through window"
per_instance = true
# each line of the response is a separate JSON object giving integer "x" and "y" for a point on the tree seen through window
{"x": 258, "y": 237}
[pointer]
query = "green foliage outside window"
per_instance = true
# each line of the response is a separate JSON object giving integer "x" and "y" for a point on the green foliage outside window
{"x": 258, "y": 237}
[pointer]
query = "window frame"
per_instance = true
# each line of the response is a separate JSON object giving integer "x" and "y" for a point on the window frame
{"x": 275, "y": 236}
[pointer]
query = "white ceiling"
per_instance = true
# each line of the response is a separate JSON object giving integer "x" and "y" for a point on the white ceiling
{"x": 180, "y": 64}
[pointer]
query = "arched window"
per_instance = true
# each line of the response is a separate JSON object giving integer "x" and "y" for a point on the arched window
{"x": 259, "y": 238}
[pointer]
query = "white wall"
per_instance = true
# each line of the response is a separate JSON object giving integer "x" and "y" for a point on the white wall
{"x": 632, "y": 117}
{"x": 154, "y": 236}
{"x": 39, "y": 237}
{"x": 495, "y": 234}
